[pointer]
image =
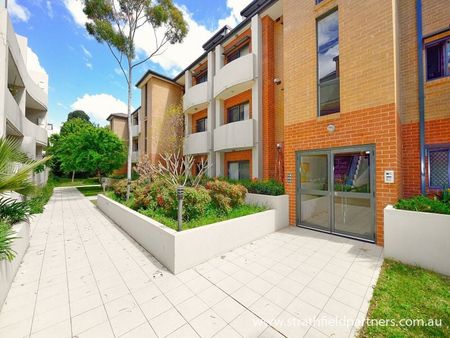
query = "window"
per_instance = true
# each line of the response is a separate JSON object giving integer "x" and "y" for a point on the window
{"x": 203, "y": 77}
{"x": 438, "y": 59}
{"x": 318, "y": 1}
{"x": 244, "y": 50}
{"x": 200, "y": 125}
{"x": 439, "y": 167}
{"x": 238, "y": 113}
{"x": 135, "y": 145}
{"x": 239, "y": 170}
{"x": 145, "y": 137}
{"x": 328, "y": 64}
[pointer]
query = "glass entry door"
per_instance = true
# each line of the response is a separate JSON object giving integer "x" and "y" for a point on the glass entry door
{"x": 335, "y": 191}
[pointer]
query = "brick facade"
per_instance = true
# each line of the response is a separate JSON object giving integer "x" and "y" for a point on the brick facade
{"x": 197, "y": 116}
{"x": 244, "y": 155}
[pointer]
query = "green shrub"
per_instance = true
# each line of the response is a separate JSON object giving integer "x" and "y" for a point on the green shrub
{"x": 41, "y": 198}
{"x": 7, "y": 236}
{"x": 226, "y": 195}
{"x": 120, "y": 187}
{"x": 268, "y": 187}
{"x": 12, "y": 211}
{"x": 196, "y": 200}
{"x": 424, "y": 204}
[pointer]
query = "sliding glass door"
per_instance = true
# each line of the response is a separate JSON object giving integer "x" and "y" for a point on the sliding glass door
{"x": 335, "y": 191}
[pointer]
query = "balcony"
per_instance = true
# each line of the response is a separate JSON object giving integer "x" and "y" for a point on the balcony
{"x": 235, "y": 77}
{"x": 135, "y": 130}
{"x": 197, "y": 143}
{"x": 196, "y": 98}
{"x": 135, "y": 156}
{"x": 233, "y": 136}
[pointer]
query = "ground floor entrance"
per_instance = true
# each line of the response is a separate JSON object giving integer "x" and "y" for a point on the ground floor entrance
{"x": 336, "y": 191}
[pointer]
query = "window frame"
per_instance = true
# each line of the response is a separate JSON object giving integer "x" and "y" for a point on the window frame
{"x": 318, "y": 19}
{"x": 438, "y": 149}
{"x": 239, "y": 106}
{"x": 445, "y": 45}
{"x": 237, "y": 52}
{"x": 239, "y": 162}
{"x": 202, "y": 76}
{"x": 203, "y": 120}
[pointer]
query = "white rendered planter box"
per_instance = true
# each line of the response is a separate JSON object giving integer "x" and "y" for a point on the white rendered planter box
{"x": 8, "y": 270}
{"x": 179, "y": 251}
{"x": 417, "y": 238}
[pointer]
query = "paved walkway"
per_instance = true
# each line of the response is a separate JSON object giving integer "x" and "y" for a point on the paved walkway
{"x": 84, "y": 277}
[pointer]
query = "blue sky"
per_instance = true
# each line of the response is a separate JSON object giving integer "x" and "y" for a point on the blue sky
{"x": 82, "y": 72}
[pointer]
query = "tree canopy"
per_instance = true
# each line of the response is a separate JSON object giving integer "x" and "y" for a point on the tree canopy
{"x": 85, "y": 148}
{"x": 116, "y": 23}
{"x": 78, "y": 114}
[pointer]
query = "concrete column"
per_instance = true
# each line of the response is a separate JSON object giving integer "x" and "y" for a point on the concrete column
{"x": 3, "y": 71}
{"x": 219, "y": 164}
{"x": 211, "y": 114}
{"x": 188, "y": 125}
{"x": 187, "y": 80}
{"x": 257, "y": 154}
{"x": 219, "y": 57}
{"x": 28, "y": 146}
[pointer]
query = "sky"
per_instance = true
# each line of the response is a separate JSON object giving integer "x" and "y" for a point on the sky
{"x": 82, "y": 72}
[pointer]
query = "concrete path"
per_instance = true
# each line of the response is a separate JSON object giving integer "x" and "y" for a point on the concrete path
{"x": 84, "y": 277}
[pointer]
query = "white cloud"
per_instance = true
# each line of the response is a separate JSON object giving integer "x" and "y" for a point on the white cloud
{"x": 86, "y": 52}
{"x": 75, "y": 7}
{"x": 99, "y": 106}
{"x": 18, "y": 11}
{"x": 49, "y": 8}
{"x": 33, "y": 63}
{"x": 175, "y": 57}
{"x": 89, "y": 65}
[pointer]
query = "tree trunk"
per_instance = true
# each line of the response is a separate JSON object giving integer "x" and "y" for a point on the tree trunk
{"x": 130, "y": 136}
{"x": 73, "y": 175}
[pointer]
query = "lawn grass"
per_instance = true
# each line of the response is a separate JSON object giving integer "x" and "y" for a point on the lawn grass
{"x": 210, "y": 216}
{"x": 90, "y": 191}
{"x": 67, "y": 182}
{"x": 409, "y": 292}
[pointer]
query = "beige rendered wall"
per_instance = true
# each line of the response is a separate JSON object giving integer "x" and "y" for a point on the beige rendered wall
{"x": 161, "y": 97}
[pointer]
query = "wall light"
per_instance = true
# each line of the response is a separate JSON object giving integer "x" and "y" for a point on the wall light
{"x": 331, "y": 128}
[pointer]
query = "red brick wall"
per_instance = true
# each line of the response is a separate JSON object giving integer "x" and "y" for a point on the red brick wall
{"x": 268, "y": 98}
{"x": 378, "y": 125}
{"x": 244, "y": 155}
{"x": 197, "y": 116}
{"x": 235, "y": 100}
{"x": 436, "y": 132}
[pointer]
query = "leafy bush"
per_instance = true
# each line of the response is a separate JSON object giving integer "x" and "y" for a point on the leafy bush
{"x": 41, "y": 198}
{"x": 268, "y": 187}
{"x": 196, "y": 200}
{"x": 424, "y": 204}
{"x": 12, "y": 211}
{"x": 7, "y": 236}
{"x": 226, "y": 195}
{"x": 120, "y": 188}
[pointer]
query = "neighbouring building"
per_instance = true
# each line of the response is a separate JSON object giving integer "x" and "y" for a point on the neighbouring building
{"x": 23, "y": 94}
{"x": 118, "y": 123}
{"x": 322, "y": 95}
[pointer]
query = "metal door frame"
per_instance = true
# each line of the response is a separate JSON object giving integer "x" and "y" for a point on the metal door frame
{"x": 331, "y": 152}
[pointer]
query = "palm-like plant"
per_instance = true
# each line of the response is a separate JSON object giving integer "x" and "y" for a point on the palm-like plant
{"x": 16, "y": 168}
{"x": 7, "y": 236}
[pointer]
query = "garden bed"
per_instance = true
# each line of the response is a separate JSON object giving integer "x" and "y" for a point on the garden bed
{"x": 417, "y": 238}
{"x": 179, "y": 251}
{"x": 8, "y": 269}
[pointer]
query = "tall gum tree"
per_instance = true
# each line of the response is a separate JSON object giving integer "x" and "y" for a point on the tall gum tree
{"x": 116, "y": 22}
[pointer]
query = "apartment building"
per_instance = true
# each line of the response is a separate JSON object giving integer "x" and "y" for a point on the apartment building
{"x": 23, "y": 94}
{"x": 324, "y": 95}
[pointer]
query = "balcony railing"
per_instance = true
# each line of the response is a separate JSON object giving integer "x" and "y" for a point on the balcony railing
{"x": 236, "y": 135}
{"x": 197, "y": 143}
{"x": 196, "y": 98}
{"x": 235, "y": 77}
